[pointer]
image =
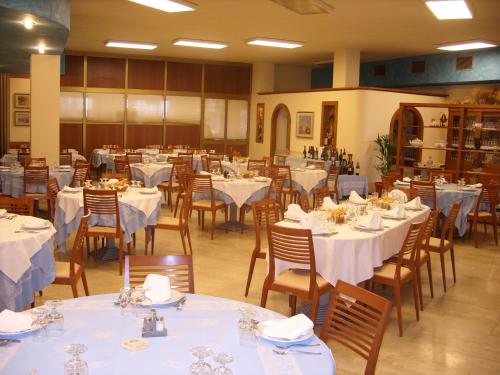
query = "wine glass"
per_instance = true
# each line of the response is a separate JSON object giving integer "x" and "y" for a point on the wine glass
{"x": 55, "y": 318}
{"x": 124, "y": 299}
{"x": 75, "y": 366}
{"x": 223, "y": 359}
{"x": 39, "y": 324}
{"x": 142, "y": 304}
{"x": 201, "y": 367}
{"x": 248, "y": 327}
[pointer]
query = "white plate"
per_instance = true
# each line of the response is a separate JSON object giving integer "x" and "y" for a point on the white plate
{"x": 260, "y": 179}
{"x": 39, "y": 225}
{"x": 148, "y": 192}
{"x": 394, "y": 218}
{"x": 17, "y": 334}
{"x": 174, "y": 297}
{"x": 303, "y": 337}
{"x": 368, "y": 229}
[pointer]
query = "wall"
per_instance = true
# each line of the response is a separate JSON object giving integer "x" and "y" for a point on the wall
{"x": 290, "y": 78}
{"x": 18, "y": 86}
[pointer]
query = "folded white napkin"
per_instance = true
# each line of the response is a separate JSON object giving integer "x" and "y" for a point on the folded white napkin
{"x": 313, "y": 223}
{"x": 294, "y": 212}
{"x": 397, "y": 212}
{"x": 476, "y": 185}
{"x": 11, "y": 322}
{"x": 150, "y": 190}
{"x": 70, "y": 189}
{"x": 414, "y": 203}
{"x": 399, "y": 182}
{"x": 355, "y": 198}
{"x": 398, "y": 196}
{"x": 328, "y": 204}
{"x": 311, "y": 166}
{"x": 290, "y": 328}
{"x": 371, "y": 222}
{"x": 406, "y": 179}
{"x": 159, "y": 288}
{"x": 3, "y": 211}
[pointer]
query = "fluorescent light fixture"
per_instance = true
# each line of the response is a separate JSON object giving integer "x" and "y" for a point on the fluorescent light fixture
{"x": 28, "y": 23}
{"x": 199, "y": 43}
{"x": 134, "y": 45}
{"x": 170, "y": 6}
{"x": 464, "y": 46}
{"x": 274, "y": 43}
{"x": 41, "y": 48}
{"x": 449, "y": 9}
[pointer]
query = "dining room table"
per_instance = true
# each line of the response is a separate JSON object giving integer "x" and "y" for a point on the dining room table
{"x": 104, "y": 329}
{"x": 151, "y": 174}
{"x": 307, "y": 179}
{"x": 26, "y": 259}
{"x": 12, "y": 180}
{"x": 11, "y": 157}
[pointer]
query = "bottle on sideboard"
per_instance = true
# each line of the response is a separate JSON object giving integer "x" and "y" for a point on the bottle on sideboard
{"x": 304, "y": 152}
{"x": 357, "y": 168}
{"x": 316, "y": 153}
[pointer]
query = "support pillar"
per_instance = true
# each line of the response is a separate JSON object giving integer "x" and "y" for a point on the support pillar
{"x": 346, "y": 65}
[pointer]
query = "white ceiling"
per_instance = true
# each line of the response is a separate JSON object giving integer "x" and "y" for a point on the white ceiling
{"x": 380, "y": 29}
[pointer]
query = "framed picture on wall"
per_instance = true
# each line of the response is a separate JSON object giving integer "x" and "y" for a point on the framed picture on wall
{"x": 304, "y": 124}
{"x": 22, "y": 101}
{"x": 22, "y": 118}
{"x": 259, "y": 132}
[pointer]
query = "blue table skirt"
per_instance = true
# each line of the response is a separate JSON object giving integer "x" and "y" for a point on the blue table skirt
{"x": 13, "y": 183}
{"x": 97, "y": 323}
{"x": 14, "y": 296}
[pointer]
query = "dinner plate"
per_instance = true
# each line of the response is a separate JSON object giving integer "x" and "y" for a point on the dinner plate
{"x": 174, "y": 298}
{"x": 39, "y": 225}
{"x": 17, "y": 334}
{"x": 394, "y": 218}
{"x": 368, "y": 229}
{"x": 148, "y": 192}
{"x": 301, "y": 338}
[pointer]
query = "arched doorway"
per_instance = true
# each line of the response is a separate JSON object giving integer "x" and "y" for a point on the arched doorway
{"x": 414, "y": 129}
{"x": 280, "y": 130}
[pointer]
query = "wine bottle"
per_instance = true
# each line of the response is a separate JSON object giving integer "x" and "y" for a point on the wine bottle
{"x": 304, "y": 152}
{"x": 357, "y": 168}
{"x": 316, "y": 154}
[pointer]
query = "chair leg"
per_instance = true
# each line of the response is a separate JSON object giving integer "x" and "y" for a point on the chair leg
{"x": 250, "y": 273}
{"x": 475, "y": 233}
{"x": 292, "y": 301}
{"x": 494, "y": 226}
{"x": 265, "y": 291}
{"x": 443, "y": 271}
{"x": 189, "y": 240}
{"x": 87, "y": 240}
{"x": 397, "y": 300}
{"x": 452, "y": 253}
{"x": 225, "y": 218}
{"x": 242, "y": 219}
{"x": 429, "y": 272}
{"x": 419, "y": 284}
{"x": 314, "y": 306}
{"x": 120, "y": 256}
{"x": 153, "y": 229}
{"x": 213, "y": 225}
{"x": 146, "y": 242}
{"x": 74, "y": 289}
{"x": 84, "y": 282}
{"x": 415, "y": 297}
{"x": 183, "y": 241}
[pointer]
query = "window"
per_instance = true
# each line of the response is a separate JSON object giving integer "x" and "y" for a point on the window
{"x": 105, "y": 107}
{"x": 145, "y": 108}
{"x": 71, "y": 106}
{"x": 237, "y": 119}
{"x": 215, "y": 118}
{"x": 184, "y": 109}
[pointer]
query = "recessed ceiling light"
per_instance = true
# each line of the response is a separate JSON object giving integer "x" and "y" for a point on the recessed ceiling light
{"x": 170, "y": 6}
{"x": 41, "y": 48}
{"x": 134, "y": 45}
{"x": 199, "y": 43}
{"x": 28, "y": 23}
{"x": 449, "y": 9}
{"x": 274, "y": 43}
{"x": 463, "y": 46}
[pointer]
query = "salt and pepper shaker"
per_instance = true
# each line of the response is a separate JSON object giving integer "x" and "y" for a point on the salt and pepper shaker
{"x": 154, "y": 326}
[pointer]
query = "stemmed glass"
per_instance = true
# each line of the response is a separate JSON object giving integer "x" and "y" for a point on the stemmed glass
{"x": 223, "y": 359}
{"x": 201, "y": 367}
{"x": 55, "y": 318}
{"x": 248, "y": 327}
{"x": 142, "y": 304}
{"x": 75, "y": 366}
{"x": 39, "y": 324}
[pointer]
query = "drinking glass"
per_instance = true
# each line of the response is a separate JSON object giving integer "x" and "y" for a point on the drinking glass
{"x": 223, "y": 359}
{"x": 75, "y": 366}
{"x": 142, "y": 304}
{"x": 248, "y": 327}
{"x": 39, "y": 324}
{"x": 201, "y": 367}
{"x": 124, "y": 299}
{"x": 56, "y": 319}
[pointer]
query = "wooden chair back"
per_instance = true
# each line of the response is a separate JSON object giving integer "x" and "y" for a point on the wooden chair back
{"x": 134, "y": 157}
{"x": 214, "y": 163}
{"x": 187, "y": 157}
{"x": 178, "y": 268}
{"x": 426, "y": 191}
{"x": 412, "y": 242}
{"x": 428, "y": 230}
{"x": 22, "y": 156}
{"x": 488, "y": 197}
{"x": 52, "y": 190}
{"x": 35, "y": 175}
{"x": 284, "y": 170}
{"x": 65, "y": 158}
{"x": 448, "y": 227}
{"x": 320, "y": 195}
{"x": 35, "y": 162}
{"x": 202, "y": 184}
{"x": 102, "y": 202}
{"x": 265, "y": 212}
{"x": 254, "y": 164}
{"x": 388, "y": 181}
{"x": 122, "y": 166}
{"x": 76, "y": 257}
{"x": 81, "y": 174}
{"x": 319, "y": 164}
{"x": 304, "y": 202}
{"x": 204, "y": 163}
{"x": 19, "y": 206}
{"x": 356, "y": 318}
{"x": 276, "y": 188}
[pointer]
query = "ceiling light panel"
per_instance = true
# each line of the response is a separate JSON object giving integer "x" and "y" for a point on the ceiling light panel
{"x": 464, "y": 46}
{"x": 133, "y": 45}
{"x": 28, "y": 23}
{"x": 199, "y": 43}
{"x": 266, "y": 42}
{"x": 170, "y": 6}
{"x": 449, "y": 9}
{"x": 306, "y": 7}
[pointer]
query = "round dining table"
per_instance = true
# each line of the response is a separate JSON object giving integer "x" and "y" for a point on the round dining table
{"x": 151, "y": 174}
{"x": 99, "y": 324}
{"x": 12, "y": 180}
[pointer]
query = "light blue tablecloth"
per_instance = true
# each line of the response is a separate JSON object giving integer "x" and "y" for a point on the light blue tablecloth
{"x": 347, "y": 183}
{"x": 97, "y": 323}
{"x": 14, "y": 296}
{"x": 13, "y": 182}
{"x": 151, "y": 181}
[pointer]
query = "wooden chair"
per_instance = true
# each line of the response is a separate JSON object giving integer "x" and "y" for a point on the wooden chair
{"x": 19, "y": 206}
{"x": 188, "y": 158}
{"x": 204, "y": 162}
{"x": 202, "y": 185}
{"x": 488, "y": 197}
{"x": 388, "y": 181}
{"x": 22, "y": 157}
{"x": 397, "y": 274}
{"x": 318, "y": 164}
{"x": 214, "y": 163}
{"x": 254, "y": 164}
{"x": 134, "y": 157}
{"x": 171, "y": 186}
{"x": 265, "y": 212}
{"x": 288, "y": 189}
{"x": 426, "y": 191}
{"x": 182, "y": 173}
{"x": 179, "y": 269}
{"x": 166, "y": 151}
{"x": 445, "y": 242}
{"x": 52, "y": 190}
{"x": 304, "y": 202}
{"x": 68, "y": 273}
{"x": 104, "y": 202}
{"x": 320, "y": 195}
{"x": 358, "y": 325}
{"x": 116, "y": 150}
{"x": 81, "y": 174}
{"x": 268, "y": 160}
{"x": 331, "y": 185}
{"x": 171, "y": 223}
{"x": 65, "y": 159}
{"x": 294, "y": 246}
{"x": 122, "y": 166}
{"x": 35, "y": 176}
{"x": 448, "y": 175}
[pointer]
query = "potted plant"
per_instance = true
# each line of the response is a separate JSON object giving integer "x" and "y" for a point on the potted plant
{"x": 386, "y": 153}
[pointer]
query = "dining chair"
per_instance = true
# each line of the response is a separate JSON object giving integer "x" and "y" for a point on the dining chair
{"x": 304, "y": 202}
{"x": 214, "y": 163}
{"x": 19, "y": 206}
{"x": 357, "y": 318}
{"x": 202, "y": 187}
{"x": 182, "y": 173}
{"x": 268, "y": 160}
{"x": 388, "y": 181}
{"x": 402, "y": 272}
{"x": 180, "y": 224}
{"x": 204, "y": 162}
{"x": 447, "y": 175}
{"x": 178, "y": 268}
{"x": 52, "y": 190}
{"x": 171, "y": 186}
{"x": 65, "y": 158}
{"x": 331, "y": 185}
{"x": 80, "y": 175}
{"x": 426, "y": 191}
{"x": 294, "y": 246}
{"x": 445, "y": 243}
{"x": 318, "y": 164}
{"x": 22, "y": 156}
{"x": 255, "y": 164}
{"x": 68, "y": 273}
{"x": 122, "y": 166}
{"x": 265, "y": 212}
{"x": 288, "y": 189}
{"x": 38, "y": 176}
{"x": 166, "y": 151}
{"x": 134, "y": 157}
{"x": 487, "y": 198}
{"x": 319, "y": 196}
{"x": 104, "y": 202}
{"x": 35, "y": 162}
{"x": 187, "y": 157}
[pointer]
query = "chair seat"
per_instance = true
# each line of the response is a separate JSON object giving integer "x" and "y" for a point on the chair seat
{"x": 480, "y": 214}
{"x": 36, "y": 195}
{"x": 288, "y": 190}
{"x": 263, "y": 252}
{"x": 207, "y": 204}
{"x": 166, "y": 185}
{"x": 168, "y": 221}
{"x": 98, "y": 229}
{"x": 62, "y": 270}
{"x": 435, "y": 244}
{"x": 298, "y": 279}
{"x": 388, "y": 271}
{"x": 424, "y": 255}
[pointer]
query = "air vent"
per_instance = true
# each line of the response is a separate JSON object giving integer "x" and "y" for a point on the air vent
{"x": 464, "y": 63}
{"x": 379, "y": 70}
{"x": 418, "y": 67}
{"x": 306, "y": 7}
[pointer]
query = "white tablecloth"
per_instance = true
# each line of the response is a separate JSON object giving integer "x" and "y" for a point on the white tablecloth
{"x": 151, "y": 174}
{"x": 13, "y": 181}
{"x": 240, "y": 190}
{"x": 308, "y": 179}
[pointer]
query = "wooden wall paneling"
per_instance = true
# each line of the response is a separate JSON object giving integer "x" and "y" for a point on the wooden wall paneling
{"x": 183, "y": 76}
{"x": 103, "y": 134}
{"x": 105, "y": 72}
{"x": 241, "y": 148}
{"x": 218, "y": 147}
{"x": 146, "y": 74}
{"x": 73, "y": 71}
{"x": 138, "y": 136}
{"x": 71, "y": 136}
{"x": 183, "y": 135}
{"x": 228, "y": 79}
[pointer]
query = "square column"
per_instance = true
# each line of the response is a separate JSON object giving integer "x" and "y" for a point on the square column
{"x": 346, "y": 68}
